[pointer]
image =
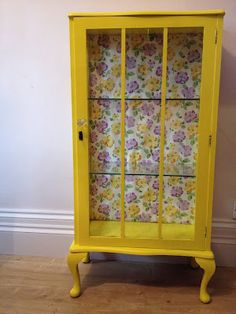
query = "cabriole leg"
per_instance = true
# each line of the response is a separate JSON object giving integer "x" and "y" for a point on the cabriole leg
{"x": 209, "y": 266}
{"x": 73, "y": 260}
{"x": 86, "y": 259}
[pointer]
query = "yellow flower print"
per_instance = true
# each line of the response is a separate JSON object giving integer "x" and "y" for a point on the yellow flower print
{"x": 178, "y": 65}
{"x": 153, "y": 84}
{"x": 173, "y": 181}
{"x": 172, "y": 157}
{"x": 150, "y": 141}
{"x": 109, "y": 84}
{"x": 134, "y": 157}
{"x": 189, "y": 186}
{"x": 96, "y": 112}
{"x": 116, "y": 151}
{"x": 174, "y": 91}
{"x": 192, "y": 130}
{"x": 116, "y": 128}
{"x": 140, "y": 182}
{"x": 108, "y": 194}
{"x": 95, "y": 53}
{"x": 134, "y": 103}
{"x": 107, "y": 141}
{"x": 171, "y": 54}
{"x": 136, "y": 40}
{"x": 142, "y": 127}
{"x": 116, "y": 58}
{"x": 175, "y": 103}
{"x": 115, "y": 70}
{"x": 149, "y": 196}
{"x": 175, "y": 124}
{"x": 115, "y": 182}
{"x": 142, "y": 69}
{"x": 133, "y": 210}
{"x": 171, "y": 210}
{"x": 196, "y": 71}
{"x": 116, "y": 204}
{"x": 168, "y": 114}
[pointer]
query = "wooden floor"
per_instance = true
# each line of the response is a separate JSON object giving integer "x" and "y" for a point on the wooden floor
{"x": 41, "y": 285}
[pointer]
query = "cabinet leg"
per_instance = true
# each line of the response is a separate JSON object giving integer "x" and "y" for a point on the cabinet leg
{"x": 209, "y": 266}
{"x": 86, "y": 259}
{"x": 73, "y": 260}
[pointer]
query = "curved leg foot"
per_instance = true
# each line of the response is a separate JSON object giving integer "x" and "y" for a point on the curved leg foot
{"x": 86, "y": 259}
{"x": 193, "y": 264}
{"x": 73, "y": 260}
{"x": 208, "y": 265}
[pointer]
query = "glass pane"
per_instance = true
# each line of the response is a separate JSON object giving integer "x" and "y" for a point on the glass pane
{"x": 142, "y": 136}
{"x": 104, "y": 131}
{"x": 181, "y": 132}
{"x": 143, "y": 63}
{"x": 142, "y": 131}
{"x": 104, "y": 61}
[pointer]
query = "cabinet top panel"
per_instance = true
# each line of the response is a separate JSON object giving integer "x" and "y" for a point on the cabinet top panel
{"x": 148, "y": 13}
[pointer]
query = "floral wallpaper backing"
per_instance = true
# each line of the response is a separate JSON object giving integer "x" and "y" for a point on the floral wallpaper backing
{"x": 142, "y": 133}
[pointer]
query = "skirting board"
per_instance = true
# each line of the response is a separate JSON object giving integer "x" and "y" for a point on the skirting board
{"x": 50, "y": 232}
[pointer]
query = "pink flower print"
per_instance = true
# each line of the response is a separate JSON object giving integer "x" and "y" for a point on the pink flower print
{"x": 93, "y": 80}
{"x": 130, "y": 197}
{"x": 185, "y": 150}
{"x": 104, "y": 209}
{"x": 179, "y": 136}
{"x": 132, "y": 86}
{"x": 101, "y": 126}
{"x": 104, "y": 41}
{"x": 130, "y": 62}
{"x": 188, "y": 92}
{"x": 118, "y": 107}
{"x": 176, "y": 191}
{"x": 181, "y": 77}
{"x": 151, "y": 63}
{"x": 159, "y": 71}
{"x": 101, "y": 180}
{"x": 93, "y": 189}
{"x": 149, "y": 49}
{"x": 147, "y": 109}
{"x": 156, "y": 155}
{"x": 157, "y": 130}
{"x": 131, "y": 144}
{"x": 101, "y": 68}
{"x": 183, "y": 204}
{"x": 129, "y": 178}
{"x": 104, "y": 156}
{"x": 155, "y": 185}
{"x": 149, "y": 123}
{"x": 93, "y": 137}
{"x": 145, "y": 217}
{"x": 146, "y": 165}
{"x": 130, "y": 121}
{"x": 104, "y": 103}
{"x": 190, "y": 116}
{"x": 193, "y": 55}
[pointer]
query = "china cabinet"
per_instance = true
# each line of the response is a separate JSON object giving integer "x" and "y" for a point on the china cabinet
{"x": 145, "y": 95}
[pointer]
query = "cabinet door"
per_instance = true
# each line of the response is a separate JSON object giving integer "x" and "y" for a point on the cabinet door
{"x": 143, "y": 104}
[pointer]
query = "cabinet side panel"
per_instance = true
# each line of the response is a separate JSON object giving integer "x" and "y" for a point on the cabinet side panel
{"x": 74, "y": 123}
{"x": 214, "y": 115}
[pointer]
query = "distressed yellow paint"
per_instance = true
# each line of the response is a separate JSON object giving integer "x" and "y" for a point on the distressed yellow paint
{"x": 127, "y": 239}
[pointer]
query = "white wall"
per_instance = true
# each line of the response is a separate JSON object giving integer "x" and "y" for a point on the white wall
{"x": 35, "y": 105}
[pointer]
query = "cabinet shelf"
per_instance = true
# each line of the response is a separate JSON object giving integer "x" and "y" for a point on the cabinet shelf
{"x": 143, "y": 174}
{"x": 130, "y": 99}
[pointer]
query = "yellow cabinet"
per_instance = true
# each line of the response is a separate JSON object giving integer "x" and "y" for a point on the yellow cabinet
{"x": 145, "y": 91}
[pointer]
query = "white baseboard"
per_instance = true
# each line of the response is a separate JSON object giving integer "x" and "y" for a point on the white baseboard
{"x": 50, "y": 232}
